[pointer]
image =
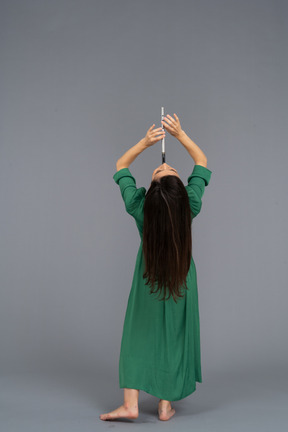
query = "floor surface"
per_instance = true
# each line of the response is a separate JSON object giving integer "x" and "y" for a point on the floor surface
{"x": 244, "y": 401}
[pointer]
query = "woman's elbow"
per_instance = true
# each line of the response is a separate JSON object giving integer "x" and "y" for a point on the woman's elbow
{"x": 202, "y": 161}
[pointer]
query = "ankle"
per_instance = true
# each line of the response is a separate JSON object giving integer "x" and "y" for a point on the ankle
{"x": 164, "y": 403}
{"x": 131, "y": 405}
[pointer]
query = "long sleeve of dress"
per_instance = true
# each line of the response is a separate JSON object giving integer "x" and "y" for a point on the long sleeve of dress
{"x": 197, "y": 181}
{"x": 132, "y": 196}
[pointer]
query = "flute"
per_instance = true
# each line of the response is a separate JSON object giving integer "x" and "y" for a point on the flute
{"x": 163, "y": 139}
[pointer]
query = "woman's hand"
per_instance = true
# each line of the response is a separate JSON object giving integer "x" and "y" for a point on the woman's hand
{"x": 153, "y": 136}
{"x": 172, "y": 125}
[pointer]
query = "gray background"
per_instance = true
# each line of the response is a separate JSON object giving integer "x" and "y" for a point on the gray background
{"x": 81, "y": 82}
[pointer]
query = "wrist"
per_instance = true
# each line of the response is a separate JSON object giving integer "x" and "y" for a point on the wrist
{"x": 181, "y": 135}
{"x": 143, "y": 143}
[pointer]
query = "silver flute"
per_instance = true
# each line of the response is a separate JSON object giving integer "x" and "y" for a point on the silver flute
{"x": 163, "y": 139}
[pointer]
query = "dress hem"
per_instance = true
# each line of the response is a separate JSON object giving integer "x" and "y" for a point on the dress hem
{"x": 157, "y": 395}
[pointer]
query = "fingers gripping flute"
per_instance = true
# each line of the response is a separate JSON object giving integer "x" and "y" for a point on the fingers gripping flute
{"x": 163, "y": 139}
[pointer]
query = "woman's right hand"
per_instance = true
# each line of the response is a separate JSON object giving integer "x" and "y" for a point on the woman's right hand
{"x": 172, "y": 125}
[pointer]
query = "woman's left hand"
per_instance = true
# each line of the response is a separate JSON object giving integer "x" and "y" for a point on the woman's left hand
{"x": 153, "y": 136}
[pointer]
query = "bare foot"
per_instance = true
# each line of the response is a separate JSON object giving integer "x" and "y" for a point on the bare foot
{"x": 165, "y": 411}
{"x": 122, "y": 411}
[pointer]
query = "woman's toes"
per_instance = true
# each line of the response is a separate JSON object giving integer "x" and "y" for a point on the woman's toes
{"x": 130, "y": 413}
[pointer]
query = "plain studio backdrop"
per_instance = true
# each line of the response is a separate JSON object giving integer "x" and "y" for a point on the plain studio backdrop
{"x": 81, "y": 82}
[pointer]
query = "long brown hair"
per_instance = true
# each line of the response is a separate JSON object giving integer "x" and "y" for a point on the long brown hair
{"x": 167, "y": 241}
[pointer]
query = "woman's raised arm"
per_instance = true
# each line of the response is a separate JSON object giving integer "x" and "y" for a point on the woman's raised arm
{"x": 152, "y": 136}
{"x": 174, "y": 128}
{"x": 195, "y": 152}
{"x": 131, "y": 154}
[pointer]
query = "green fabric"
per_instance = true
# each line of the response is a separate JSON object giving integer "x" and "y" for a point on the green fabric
{"x": 160, "y": 347}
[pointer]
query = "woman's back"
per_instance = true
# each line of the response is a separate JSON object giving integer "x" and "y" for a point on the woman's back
{"x": 160, "y": 347}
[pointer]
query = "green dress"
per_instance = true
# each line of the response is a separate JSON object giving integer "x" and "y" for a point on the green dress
{"x": 160, "y": 346}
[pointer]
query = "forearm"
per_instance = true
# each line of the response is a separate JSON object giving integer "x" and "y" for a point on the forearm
{"x": 130, "y": 155}
{"x": 195, "y": 152}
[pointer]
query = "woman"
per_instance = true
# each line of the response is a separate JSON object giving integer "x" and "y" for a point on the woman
{"x": 160, "y": 346}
